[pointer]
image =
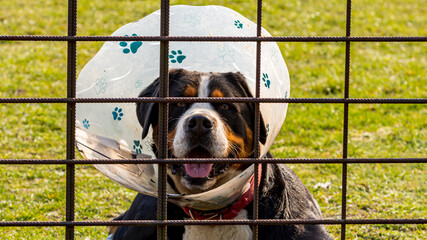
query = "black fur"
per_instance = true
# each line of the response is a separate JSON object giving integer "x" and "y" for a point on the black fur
{"x": 145, "y": 208}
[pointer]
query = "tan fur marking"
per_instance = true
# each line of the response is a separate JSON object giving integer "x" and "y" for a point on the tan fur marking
{"x": 190, "y": 91}
{"x": 171, "y": 137}
{"x": 249, "y": 140}
{"x": 112, "y": 229}
{"x": 217, "y": 93}
{"x": 243, "y": 147}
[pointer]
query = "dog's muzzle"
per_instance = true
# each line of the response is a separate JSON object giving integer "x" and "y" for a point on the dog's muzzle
{"x": 199, "y": 125}
{"x": 200, "y": 128}
{"x": 199, "y": 134}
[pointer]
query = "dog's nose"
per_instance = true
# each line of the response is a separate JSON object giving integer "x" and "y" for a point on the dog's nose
{"x": 199, "y": 125}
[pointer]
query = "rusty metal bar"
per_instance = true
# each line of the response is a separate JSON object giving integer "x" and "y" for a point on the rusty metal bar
{"x": 217, "y": 160}
{"x": 215, "y": 39}
{"x": 345, "y": 124}
{"x": 219, "y": 99}
{"x": 163, "y": 121}
{"x": 71, "y": 118}
{"x": 257, "y": 121}
{"x": 211, "y": 222}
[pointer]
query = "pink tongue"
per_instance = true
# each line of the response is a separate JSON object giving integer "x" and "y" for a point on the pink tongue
{"x": 198, "y": 170}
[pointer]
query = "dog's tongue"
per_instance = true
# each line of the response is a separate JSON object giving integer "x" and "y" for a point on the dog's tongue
{"x": 198, "y": 170}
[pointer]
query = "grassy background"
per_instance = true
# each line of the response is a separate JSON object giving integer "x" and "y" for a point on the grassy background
{"x": 386, "y": 70}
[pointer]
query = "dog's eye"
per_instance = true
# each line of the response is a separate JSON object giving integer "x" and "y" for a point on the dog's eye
{"x": 181, "y": 104}
{"x": 224, "y": 106}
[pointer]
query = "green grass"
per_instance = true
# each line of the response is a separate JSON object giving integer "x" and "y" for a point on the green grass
{"x": 385, "y": 70}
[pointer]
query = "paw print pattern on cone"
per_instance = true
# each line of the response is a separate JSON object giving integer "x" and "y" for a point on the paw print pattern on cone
{"x": 86, "y": 123}
{"x": 266, "y": 80}
{"x": 133, "y": 46}
{"x": 117, "y": 114}
{"x": 226, "y": 53}
{"x": 238, "y": 24}
{"x": 176, "y": 56}
{"x": 137, "y": 146}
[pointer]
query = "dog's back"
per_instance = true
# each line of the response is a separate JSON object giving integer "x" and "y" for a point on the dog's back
{"x": 284, "y": 196}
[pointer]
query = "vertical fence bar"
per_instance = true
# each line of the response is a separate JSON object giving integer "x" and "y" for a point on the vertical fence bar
{"x": 71, "y": 118}
{"x": 345, "y": 127}
{"x": 257, "y": 121}
{"x": 163, "y": 120}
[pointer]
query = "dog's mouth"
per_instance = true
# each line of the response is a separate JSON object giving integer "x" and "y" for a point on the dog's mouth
{"x": 196, "y": 170}
{"x": 197, "y": 177}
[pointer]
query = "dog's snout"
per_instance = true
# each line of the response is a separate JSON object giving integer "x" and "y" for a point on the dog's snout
{"x": 199, "y": 125}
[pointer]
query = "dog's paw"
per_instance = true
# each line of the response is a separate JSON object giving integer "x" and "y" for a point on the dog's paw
{"x": 133, "y": 46}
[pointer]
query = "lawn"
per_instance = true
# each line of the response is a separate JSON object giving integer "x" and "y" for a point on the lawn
{"x": 384, "y": 70}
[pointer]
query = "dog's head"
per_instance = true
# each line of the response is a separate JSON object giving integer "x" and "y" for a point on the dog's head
{"x": 203, "y": 130}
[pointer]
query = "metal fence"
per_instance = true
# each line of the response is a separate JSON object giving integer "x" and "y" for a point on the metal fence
{"x": 163, "y": 101}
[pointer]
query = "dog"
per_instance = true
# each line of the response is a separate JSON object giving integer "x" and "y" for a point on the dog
{"x": 217, "y": 130}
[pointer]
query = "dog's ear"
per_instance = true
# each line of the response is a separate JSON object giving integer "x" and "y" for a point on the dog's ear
{"x": 262, "y": 130}
{"x": 241, "y": 83}
{"x": 148, "y": 113}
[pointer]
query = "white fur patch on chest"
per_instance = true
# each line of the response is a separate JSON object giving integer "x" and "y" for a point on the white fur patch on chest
{"x": 219, "y": 232}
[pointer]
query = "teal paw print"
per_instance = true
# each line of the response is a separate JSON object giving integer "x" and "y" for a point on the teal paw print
{"x": 238, "y": 24}
{"x": 176, "y": 56}
{"x": 133, "y": 47}
{"x": 192, "y": 19}
{"x": 268, "y": 130}
{"x": 138, "y": 83}
{"x": 137, "y": 146}
{"x": 117, "y": 114}
{"x": 275, "y": 55}
{"x": 286, "y": 94}
{"x": 86, "y": 123}
{"x": 100, "y": 85}
{"x": 226, "y": 53}
{"x": 266, "y": 80}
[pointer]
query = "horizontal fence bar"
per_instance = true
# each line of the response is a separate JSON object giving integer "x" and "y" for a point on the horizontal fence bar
{"x": 215, "y": 160}
{"x": 210, "y": 222}
{"x": 216, "y": 39}
{"x": 218, "y": 100}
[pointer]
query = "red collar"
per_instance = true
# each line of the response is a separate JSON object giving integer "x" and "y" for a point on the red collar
{"x": 230, "y": 212}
